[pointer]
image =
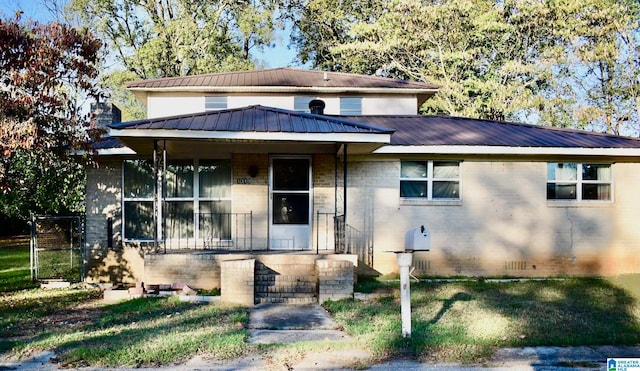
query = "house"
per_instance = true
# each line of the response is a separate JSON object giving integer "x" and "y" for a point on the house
{"x": 231, "y": 181}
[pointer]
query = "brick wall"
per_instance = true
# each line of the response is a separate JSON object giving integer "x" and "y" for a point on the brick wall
{"x": 324, "y": 193}
{"x": 335, "y": 279}
{"x": 275, "y": 278}
{"x": 503, "y": 225}
{"x": 252, "y": 194}
{"x": 238, "y": 281}
{"x": 121, "y": 262}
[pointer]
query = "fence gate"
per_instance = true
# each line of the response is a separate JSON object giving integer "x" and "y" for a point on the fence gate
{"x": 57, "y": 248}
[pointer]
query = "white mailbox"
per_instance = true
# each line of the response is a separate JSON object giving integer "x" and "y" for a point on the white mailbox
{"x": 417, "y": 239}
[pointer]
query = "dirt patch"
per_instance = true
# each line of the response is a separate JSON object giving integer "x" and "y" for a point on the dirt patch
{"x": 76, "y": 316}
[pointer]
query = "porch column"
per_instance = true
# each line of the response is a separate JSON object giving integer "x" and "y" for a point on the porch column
{"x": 344, "y": 181}
{"x": 159, "y": 170}
{"x": 341, "y": 220}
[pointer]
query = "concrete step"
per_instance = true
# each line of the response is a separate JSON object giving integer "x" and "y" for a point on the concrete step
{"x": 286, "y": 300}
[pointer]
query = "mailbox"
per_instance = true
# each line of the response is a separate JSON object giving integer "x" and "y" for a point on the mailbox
{"x": 417, "y": 239}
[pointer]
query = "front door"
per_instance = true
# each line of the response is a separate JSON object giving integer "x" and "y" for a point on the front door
{"x": 290, "y": 196}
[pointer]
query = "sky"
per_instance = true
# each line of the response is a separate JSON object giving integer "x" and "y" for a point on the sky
{"x": 31, "y": 8}
{"x": 278, "y": 56}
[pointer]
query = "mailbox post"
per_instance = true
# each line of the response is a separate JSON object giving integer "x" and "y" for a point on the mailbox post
{"x": 405, "y": 260}
{"x": 416, "y": 239}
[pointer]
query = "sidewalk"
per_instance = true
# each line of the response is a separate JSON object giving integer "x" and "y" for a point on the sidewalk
{"x": 530, "y": 358}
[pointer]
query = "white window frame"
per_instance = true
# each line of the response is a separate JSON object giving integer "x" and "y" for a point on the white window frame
{"x": 192, "y": 199}
{"x": 215, "y": 102}
{"x": 430, "y": 179}
{"x": 579, "y": 181}
{"x": 132, "y": 199}
{"x": 195, "y": 199}
{"x": 198, "y": 199}
{"x": 348, "y": 106}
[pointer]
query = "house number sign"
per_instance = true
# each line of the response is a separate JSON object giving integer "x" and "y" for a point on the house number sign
{"x": 243, "y": 181}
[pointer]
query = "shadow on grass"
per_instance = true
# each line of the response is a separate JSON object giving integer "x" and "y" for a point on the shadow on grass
{"x": 466, "y": 321}
{"x": 31, "y": 311}
{"x": 146, "y": 332}
{"x": 448, "y": 303}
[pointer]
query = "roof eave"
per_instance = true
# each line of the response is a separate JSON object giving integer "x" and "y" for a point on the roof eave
{"x": 383, "y": 138}
{"x": 139, "y": 91}
{"x": 507, "y": 150}
{"x": 114, "y": 151}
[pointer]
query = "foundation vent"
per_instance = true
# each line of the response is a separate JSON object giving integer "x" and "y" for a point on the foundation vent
{"x": 422, "y": 265}
{"x": 515, "y": 265}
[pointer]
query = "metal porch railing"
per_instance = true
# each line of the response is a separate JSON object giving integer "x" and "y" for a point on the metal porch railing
{"x": 215, "y": 231}
{"x": 332, "y": 233}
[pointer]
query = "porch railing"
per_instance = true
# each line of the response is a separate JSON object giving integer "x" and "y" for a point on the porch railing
{"x": 209, "y": 231}
{"x": 333, "y": 233}
{"x": 325, "y": 228}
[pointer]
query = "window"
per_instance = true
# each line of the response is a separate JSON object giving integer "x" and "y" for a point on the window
{"x": 578, "y": 182}
{"x": 179, "y": 198}
{"x": 301, "y": 104}
{"x": 430, "y": 180}
{"x": 215, "y": 102}
{"x": 195, "y": 193}
{"x": 215, "y": 199}
{"x": 351, "y": 106}
{"x": 138, "y": 199}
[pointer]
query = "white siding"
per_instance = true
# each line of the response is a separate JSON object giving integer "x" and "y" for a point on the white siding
{"x": 385, "y": 105}
{"x": 282, "y": 101}
{"x": 178, "y": 103}
{"x": 165, "y": 104}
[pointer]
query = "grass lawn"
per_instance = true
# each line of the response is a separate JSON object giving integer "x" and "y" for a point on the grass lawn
{"x": 458, "y": 321}
{"x": 83, "y": 331}
{"x": 14, "y": 264}
{"x": 466, "y": 321}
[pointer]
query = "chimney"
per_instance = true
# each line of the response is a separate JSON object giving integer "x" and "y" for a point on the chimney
{"x": 316, "y": 106}
{"x": 106, "y": 113}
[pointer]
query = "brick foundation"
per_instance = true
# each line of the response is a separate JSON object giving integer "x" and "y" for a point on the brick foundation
{"x": 335, "y": 279}
{"x": 238, "y": 280}
{"x": 249, "y": 279}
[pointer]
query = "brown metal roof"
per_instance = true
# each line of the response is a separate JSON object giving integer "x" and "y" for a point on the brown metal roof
{"x": 107, "y": 143}
{"x": 254, "y": 119}
{"x": 409, "y": 130}
{"x": 444, "y": 130}
{"x": 281, "y": 77}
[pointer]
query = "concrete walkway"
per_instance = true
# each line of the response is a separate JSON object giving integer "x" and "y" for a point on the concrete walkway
{"x": 283, "y": 324}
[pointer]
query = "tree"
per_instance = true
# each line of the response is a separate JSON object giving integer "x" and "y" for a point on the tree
{"x": 46, "y": 71}
{"x": 484, "y": 67}
{"x": 569, "y": 64}
{"x": 598, "y": 66}
{"x": 321, "y": 25}
{"x": 166, "y": 38}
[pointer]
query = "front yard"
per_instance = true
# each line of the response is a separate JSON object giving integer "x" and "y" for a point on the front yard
{"x": 452, "y": 321}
